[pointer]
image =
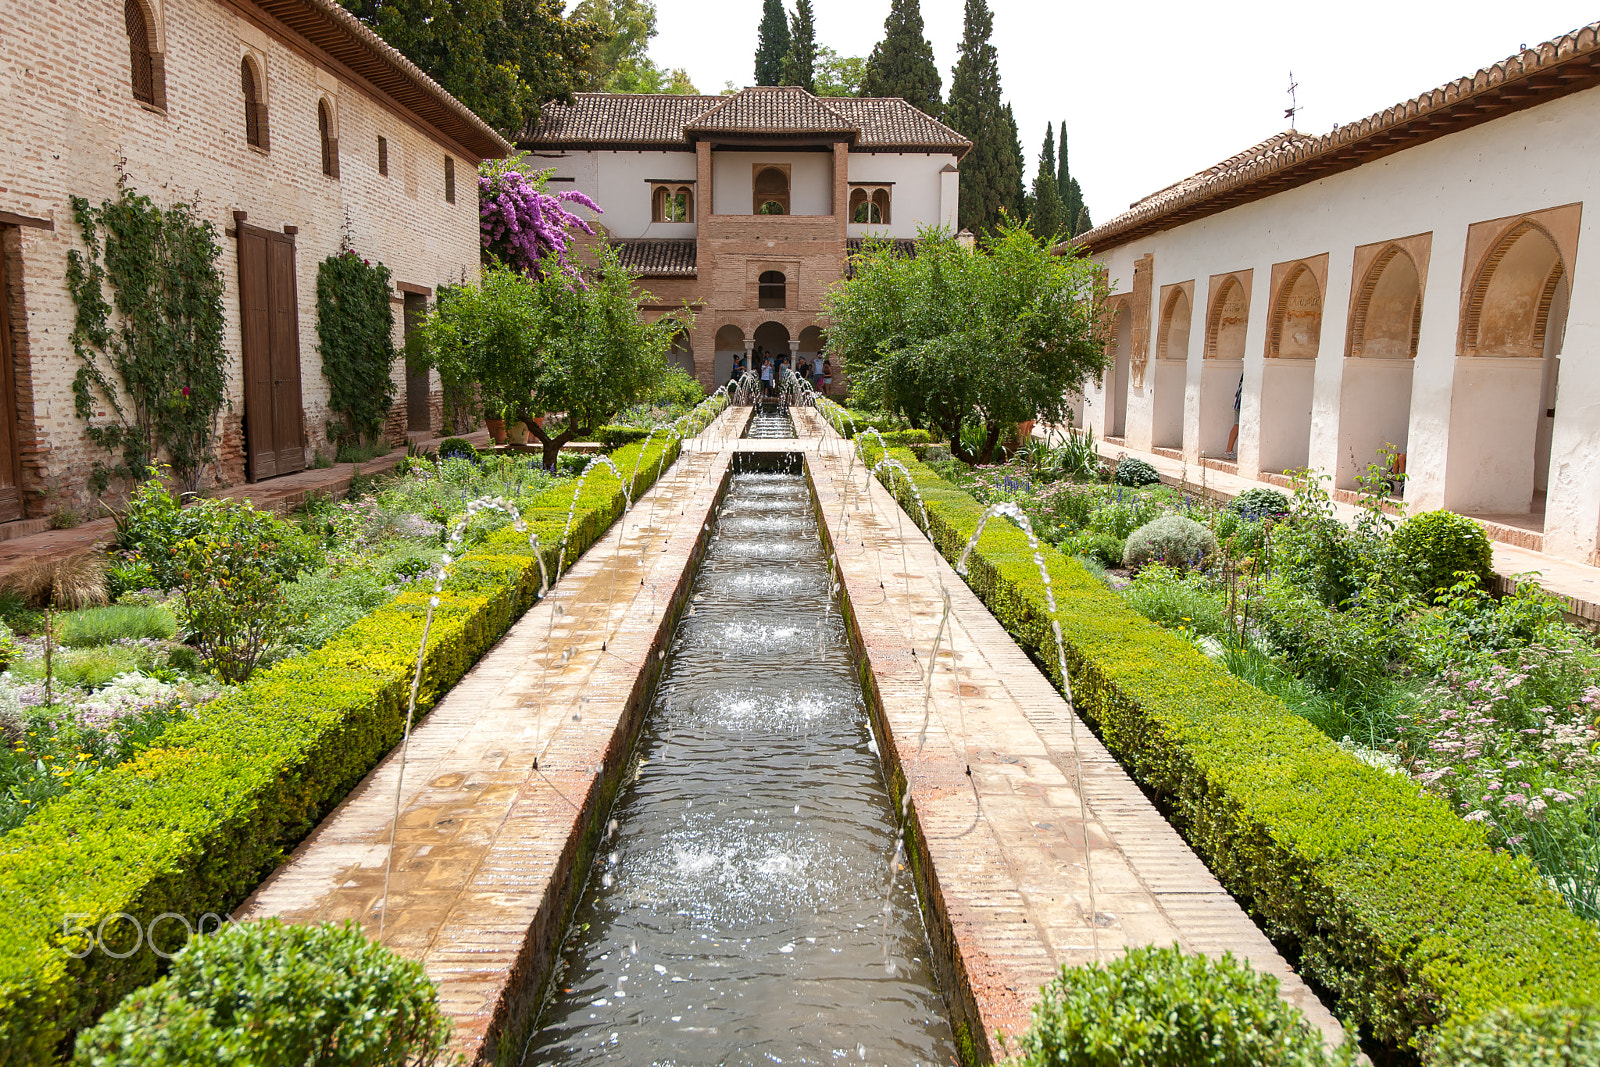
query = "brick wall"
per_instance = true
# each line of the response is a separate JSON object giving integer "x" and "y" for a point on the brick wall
{"x": 72, "y": 116}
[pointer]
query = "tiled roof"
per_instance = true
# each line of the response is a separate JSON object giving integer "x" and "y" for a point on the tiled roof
{"x": 1533, "y": 76}
{"x": 890, "y": 122}
{"x": 658, "y": 258}
{"x": 771, "y": 109}
{"x": 617, "y": 119}
{"x": 906, "y": 246}
{"x": 603, "y": 120}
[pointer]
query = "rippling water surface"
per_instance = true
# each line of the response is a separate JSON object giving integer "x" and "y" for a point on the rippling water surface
{"x": 736, "y": 915}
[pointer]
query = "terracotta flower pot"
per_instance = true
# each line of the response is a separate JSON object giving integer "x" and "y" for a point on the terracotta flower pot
{"x": 517, "y": 432}
{"x": 497, "y": 430}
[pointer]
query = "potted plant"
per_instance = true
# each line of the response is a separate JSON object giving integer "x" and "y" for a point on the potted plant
{"x": 494, "y": 420}
{"x": 517, "y": 432}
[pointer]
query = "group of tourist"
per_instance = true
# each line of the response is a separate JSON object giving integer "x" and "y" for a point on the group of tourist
{"x": 817, "y": 370}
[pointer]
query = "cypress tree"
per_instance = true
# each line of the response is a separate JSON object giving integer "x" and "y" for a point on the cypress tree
{"x": 800, "y": 66}
{"x": 1047, "y": 216}
{"x": 991, "y": 173}
{"x": 772, "y": 46}
{"x": 1075, "y": 214}
{"x": 902, "y": 63}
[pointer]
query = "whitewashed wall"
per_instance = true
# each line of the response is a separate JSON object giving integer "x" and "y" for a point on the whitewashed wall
{"x": 810, "y": 181}
{"x": 1522, "y": 163}
{"x": 917, "y": 195}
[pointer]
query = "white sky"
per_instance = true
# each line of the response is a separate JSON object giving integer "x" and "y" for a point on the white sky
{"x": 1154, "y": 91}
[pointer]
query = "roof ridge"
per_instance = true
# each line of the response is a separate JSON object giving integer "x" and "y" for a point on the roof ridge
{"x": 1375, "y": 132}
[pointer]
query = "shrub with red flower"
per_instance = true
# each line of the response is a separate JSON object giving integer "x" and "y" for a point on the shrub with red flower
{"x": 520, "y": 223}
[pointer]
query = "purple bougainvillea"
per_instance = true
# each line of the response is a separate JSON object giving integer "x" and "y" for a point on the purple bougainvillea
{"x": 520, "y": 223}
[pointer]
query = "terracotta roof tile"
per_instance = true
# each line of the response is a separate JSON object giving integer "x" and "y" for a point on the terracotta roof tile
{"x": 771, "y": 109}
{"x": 658, "y": 258}
{"x": 1531, "y": 77}
{"x": 599, "y": 120}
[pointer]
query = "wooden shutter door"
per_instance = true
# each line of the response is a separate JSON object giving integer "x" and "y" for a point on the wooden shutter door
{"x": 10, "y": 456}
{"x": 287, "y": 440}
{"x": 418, "y": 415}
{"x": 255, "y": 321}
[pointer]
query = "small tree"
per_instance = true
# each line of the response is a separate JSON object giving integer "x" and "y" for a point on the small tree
{"x": 569, "y": 343}
{"x": 986, "y": 336}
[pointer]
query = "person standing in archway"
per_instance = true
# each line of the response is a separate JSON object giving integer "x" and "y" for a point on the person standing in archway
{"x": 766, "y": 376}
{"x": 816, "y": 372}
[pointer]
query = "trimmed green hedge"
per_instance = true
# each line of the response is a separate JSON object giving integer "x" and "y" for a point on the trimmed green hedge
{"x": 192, "y": 826}
{"x": 1384, "y": 894}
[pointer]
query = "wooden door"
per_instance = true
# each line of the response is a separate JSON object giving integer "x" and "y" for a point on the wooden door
{"x": 270, "y": 330}
{"x": 10, "y": 455}
{"x": 418, "y": 415}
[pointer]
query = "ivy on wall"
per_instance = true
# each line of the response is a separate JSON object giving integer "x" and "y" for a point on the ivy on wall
{"x": 151, "y": 377}
{"x": 355, "y": 328}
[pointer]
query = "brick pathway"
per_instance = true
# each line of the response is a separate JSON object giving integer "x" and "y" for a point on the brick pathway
{"x": 1006, "y": 845}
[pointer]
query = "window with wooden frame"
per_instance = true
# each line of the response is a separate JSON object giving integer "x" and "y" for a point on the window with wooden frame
{"x": 671, "y": 203}
{"x": 148, "y": 74}
{"x": 329, "y": 139}
{"x": 255, "y": 104}
{"x": 383, "y": 157}
{"x": 771, "y": 189}
{"x": 449, "y": 180}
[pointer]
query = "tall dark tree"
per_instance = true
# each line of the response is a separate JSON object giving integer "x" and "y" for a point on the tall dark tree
{"x": 1047, "y": 215}
{"x": 800, "y": 66}
{"x": 772, "y": 47}
{"x": 991, "y": 173}
{"x": 1076, "y": 214}
{"x": 902, "y": 63}
{"x": 502, "y": 58}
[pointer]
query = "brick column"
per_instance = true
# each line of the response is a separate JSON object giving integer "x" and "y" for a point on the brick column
{"x": 841, "y": 187}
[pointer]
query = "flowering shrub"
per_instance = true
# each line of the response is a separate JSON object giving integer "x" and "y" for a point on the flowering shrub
{"x": 520, "y": 223}
{"x": 1514, "y": 744}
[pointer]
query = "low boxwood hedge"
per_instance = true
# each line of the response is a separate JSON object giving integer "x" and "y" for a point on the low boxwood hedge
{"x": 193, "y": 825}
{"x": 1381, "y": 893}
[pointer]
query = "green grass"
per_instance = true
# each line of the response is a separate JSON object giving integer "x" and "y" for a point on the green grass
{"x": 93, "y": 627}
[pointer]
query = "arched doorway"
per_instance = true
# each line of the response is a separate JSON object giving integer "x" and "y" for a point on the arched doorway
{"x": 772, "y": 339}
{"x": 1293, "y": 338}
{"x": 1375, "y": 395}
{"x": 1222, "y": 369}
{"x": 1117, "y": 377}
{"x": 1171, "y": 369}
{"x": 729, "y": 350}
{"x": 1502, "y": 400}
{"x": 681, "y": 354}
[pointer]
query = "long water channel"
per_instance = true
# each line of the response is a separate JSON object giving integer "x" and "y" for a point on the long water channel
{"x": 742, "y": 909}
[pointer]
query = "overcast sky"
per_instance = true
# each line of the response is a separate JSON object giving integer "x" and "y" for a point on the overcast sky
{"x": 1151, "y": 90}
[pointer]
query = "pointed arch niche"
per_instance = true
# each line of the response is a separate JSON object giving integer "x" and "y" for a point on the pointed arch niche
{"x": 1294, "y": 337}
{"x": 1502, "y": 401}
{"x": 1222, "y": 371}
{"x": 728, "y": 348}
{"x": 1386, "y": 289}
{"x": 1169, "y": 379}
{"x": 1120, "y": 350}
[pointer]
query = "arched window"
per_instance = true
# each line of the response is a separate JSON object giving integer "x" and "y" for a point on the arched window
{"x": 772, "y": 190}
{"x": 772, "y": 289}
{"x": 869, "y": 206}
{"x": 148, "y": 77}
{"x": 672, "y": 203}
{"x": 880, "y": 205}
{"x": 330, "y": 140}
{"x": 255, "y": 105}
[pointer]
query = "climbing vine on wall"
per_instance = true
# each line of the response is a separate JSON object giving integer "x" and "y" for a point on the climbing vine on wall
{"x": 355, "y": 327}
{"x": 150, "y": 377}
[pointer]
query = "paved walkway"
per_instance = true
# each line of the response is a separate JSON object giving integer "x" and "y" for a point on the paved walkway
{"x": 278, "y": 493}
{"x": 993, "y": 763}
{"x": 508, "y": 778}
{"x": 1576, "y": 584}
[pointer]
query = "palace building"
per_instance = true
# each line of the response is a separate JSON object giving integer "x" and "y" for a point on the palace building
{"x": 295, "y": 131}
{"x": 1409, "y": 290}
{"x": 745, "y": 206}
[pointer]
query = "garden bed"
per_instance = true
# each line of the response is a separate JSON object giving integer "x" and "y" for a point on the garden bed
{"x": 190, "y": 826}
{"x": 1386, "y": 897}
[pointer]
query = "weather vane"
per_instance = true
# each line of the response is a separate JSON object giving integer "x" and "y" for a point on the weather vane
{"x": 1294, "y": 105}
